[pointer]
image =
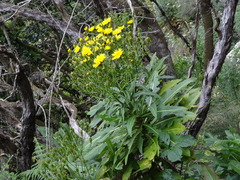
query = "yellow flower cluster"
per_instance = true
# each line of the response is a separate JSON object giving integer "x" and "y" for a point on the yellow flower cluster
{"x": 98, "y": 60}
{"x": 97, "y": 46}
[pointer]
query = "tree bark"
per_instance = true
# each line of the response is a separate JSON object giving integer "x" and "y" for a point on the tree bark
{"x": 28, "y": 113}
{"x": 215, "y": 65}
{"x": 7, "y": 145}
{"x": 205, "y": 10}
{"x": 158, "y": 42}
{"x": 27, "y": 119}
{"x": 40, "y": 17}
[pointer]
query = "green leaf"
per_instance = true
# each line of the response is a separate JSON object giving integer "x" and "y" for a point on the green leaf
{"x": 150, "y": 151}
{"x": 169, "y": 95}
{"x": 96, "y": 150}
{"x": 140, "y": 144}
{"x": 209, "y": 173}
{"x": 101, "y": 172}
{"x": 175, "y": 154}
{"x": 191, "y": 98}
{"x": 164, "y": 137}
{"x": 153, "y": 110}
{"x": 130, "y": 123}
{"x": 94, "y": 109}
{"x": 168, "y": 85}
{"x": 152, "y": 129}
{"x": 130, "y": 144}
{"x": 127, "y": 172}
{"x": 184, "y": 141}
{"x": 144, "y": 164}
{"x": 110, "y": 145}
{"x": 177, "y": 128}
{"x": 186, "y": 152}
{"x": 235, "y": 165}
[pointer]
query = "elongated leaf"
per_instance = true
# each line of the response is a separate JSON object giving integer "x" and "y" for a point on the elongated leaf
{"x": 144, "y": 164}
{"x": 177, "y": 128}
{"x": 110, "y": 145}
{"x": 168, "y": 85}
{"x": 235, "y": 165}
{"x": 209, "y": 173}
{"x": 96, "y": 150}
{"x": 140, "y": 144}
{"x": 101, "y": 172}
{"x": 152, "y": 129}
{"x": 168, "y": 95}
{"x": 153, "y": 109}
{"x": 130, "y": 123}
{"x": 127, "y": 172}
{"x": 190, "y": 99}
{"x": 150, "y": 151}
{"x": 131, "y": 143}
{"x": 94, "y": 109}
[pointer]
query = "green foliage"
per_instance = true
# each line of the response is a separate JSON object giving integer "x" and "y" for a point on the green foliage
{"x": 4, "y": 170}
{"x": 109, "y": 56}
{"x": 139, "y": 128}
{"x": 221, "y": 156}
{"x": 228, "y": 81}
{"x": 63, "y": 161}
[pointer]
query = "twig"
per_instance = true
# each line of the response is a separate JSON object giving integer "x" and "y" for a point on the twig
{"x": 21, "y": 4}
{"x": 175, "y": 30}
{"x": 194, "y": 44}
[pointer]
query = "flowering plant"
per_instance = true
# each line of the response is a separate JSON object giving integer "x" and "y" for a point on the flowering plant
{"x": 107, "y": 57}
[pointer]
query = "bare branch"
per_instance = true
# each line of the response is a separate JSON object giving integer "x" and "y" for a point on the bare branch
{"x": 40, "y": 17}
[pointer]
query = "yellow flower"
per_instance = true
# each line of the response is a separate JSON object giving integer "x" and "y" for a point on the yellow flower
{"x": 86, "y": 38}
{"x": 95, "y": 65}
{"x": 107, "y": 47}
{"x": 80, "y": 39}
{"x": 99, "y": 35}
{"x": 98, "y": 60}
{"x": 107, "y": 31}
{"x": 108, "y": 41}
{"x": 100, "y": 29}
{"x": 86, "y": 28}
{"x": 117, "y": 54}
{"x": 91, "y": 29}
{"x": 106, "y": 21}
{"x": 84, "y": 60}
{"x": 117, "y": 31}
{"x": 90, "y": 42}
{"x": 76, "y": 49}
{"x": 118, "y": 37}
{"x": 69, "y": 50}
{"x": 121, "y": 27}
{"x": 130, "y": 22}
{"x": 86, "y": 50}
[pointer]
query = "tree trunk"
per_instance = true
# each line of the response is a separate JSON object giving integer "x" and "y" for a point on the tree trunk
{"x": 158, "y": 42}
{"x": 28, "y": 107}
{"x": 215, "y": 65}
{"x": 27, "y": 119}
{"x": 205, "y": 10}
